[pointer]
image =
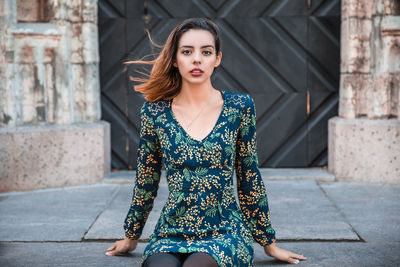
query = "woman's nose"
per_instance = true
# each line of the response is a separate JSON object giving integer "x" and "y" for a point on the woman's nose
{"x": 197, "y": 57}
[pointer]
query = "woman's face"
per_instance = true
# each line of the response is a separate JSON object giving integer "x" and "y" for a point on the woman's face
{"x": 196, "y": 57}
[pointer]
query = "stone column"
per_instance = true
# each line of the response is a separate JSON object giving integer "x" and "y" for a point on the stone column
{"x": 51, "y": 134}
{"x": 364, "y": 140}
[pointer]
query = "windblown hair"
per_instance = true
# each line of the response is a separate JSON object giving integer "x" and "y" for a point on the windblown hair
{"x": 164, "y": 81}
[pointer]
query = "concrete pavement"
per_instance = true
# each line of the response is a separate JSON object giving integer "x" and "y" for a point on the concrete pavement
{"x": 332, "y": 223}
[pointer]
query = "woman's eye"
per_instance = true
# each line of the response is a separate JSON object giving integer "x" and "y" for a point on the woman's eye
{"x": 186, "y": 52}
{"x": 207, "y": 52}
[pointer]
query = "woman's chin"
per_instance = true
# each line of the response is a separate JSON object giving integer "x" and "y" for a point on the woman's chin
{"x": 196, "y": 79}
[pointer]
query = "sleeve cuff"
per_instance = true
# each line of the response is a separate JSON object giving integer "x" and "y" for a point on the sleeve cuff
{"x": 265, "y": 242}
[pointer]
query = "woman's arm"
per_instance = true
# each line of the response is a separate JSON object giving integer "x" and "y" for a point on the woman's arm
{"x": 149, "y": 162}
{"x": 146, "y": 184}
{"x": 251, "y": 190}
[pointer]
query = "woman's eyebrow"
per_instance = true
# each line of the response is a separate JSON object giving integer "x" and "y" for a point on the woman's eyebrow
{"x": 190, "y": 46}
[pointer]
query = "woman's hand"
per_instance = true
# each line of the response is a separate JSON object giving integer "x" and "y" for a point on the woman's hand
{"x": 122, "y": 247}
{"x": 273, "y": 250}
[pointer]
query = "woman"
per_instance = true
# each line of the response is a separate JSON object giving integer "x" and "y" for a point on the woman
{"x": 201, "y": 134}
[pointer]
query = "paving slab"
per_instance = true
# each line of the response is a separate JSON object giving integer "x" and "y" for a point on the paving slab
{"x": 128, "y": 177}
{"x": 328, "y": 254}
{"x": 372, "y": 209}
{"x": 287, "y": 174}
{"x": 64, "y": 214}
{"x": 300, "y": 211}
{"x": 65, "y": 254}
{"x": 109, "y": 225}
{"x": 313, "y": 173}
{"x": 92, "y": 254}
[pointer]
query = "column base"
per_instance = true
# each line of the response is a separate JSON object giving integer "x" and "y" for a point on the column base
{"x": 47, "y": 156}
{"x": 364, "y": 150}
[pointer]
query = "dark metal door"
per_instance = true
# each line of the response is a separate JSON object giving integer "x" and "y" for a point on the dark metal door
{"x": 284, "y": 53}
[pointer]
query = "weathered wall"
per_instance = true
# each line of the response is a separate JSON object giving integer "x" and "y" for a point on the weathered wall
{"x": 51, "y": 134}
{"x": 49, "y": 69}
{"x": 370, "y": 59}
{"x": 364, "y": 140}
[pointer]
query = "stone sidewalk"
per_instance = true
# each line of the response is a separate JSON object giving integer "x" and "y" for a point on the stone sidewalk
{"x": 332, "y": 223}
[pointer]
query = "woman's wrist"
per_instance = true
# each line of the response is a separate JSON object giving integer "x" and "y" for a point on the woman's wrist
{"x": 270, "y": 247}
{"x": 131, "y": 243}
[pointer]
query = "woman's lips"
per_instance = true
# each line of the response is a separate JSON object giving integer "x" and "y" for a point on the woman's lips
{"x": 196, "y": 72}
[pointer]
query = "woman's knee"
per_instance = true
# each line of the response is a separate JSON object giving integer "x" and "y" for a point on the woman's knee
{"x": 162, "y": 260}
{"x": 200, "y": 259}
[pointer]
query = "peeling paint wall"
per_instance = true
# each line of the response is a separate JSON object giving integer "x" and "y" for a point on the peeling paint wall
{"x": 49, "y": 68}
{"x": 370, "y": 59}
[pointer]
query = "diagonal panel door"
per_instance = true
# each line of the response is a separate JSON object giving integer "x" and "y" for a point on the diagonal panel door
{"x": 267, "y": 53}
{"x": 323, "y": 75}
{"x": 112, "y": 79}
{"x": 270, "y": 65}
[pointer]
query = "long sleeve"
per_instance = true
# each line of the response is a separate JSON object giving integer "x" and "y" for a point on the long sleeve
{"x": 251, "y": 191}
{"x": 149, "y": 161}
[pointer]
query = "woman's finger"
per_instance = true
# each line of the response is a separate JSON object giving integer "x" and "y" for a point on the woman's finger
{"x": 297, "y": 256}
{"x": 111, "y": 248}
{"x": 112, "y": 251}
{"x": 293, "y": 261}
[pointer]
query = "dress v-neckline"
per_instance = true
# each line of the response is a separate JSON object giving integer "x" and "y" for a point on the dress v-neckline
{"x": 213, "y": 129}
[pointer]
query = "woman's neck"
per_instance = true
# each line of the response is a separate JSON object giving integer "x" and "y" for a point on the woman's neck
{"x": 195, "y": 95}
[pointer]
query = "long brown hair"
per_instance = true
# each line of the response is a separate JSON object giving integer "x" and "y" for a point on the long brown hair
{"x": 164, "y": 81}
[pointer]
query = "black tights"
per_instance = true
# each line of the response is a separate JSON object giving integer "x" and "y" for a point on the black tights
{"x": 175, "y": 259}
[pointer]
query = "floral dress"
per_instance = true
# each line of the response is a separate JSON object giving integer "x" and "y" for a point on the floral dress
{"x": 201, "y": 213}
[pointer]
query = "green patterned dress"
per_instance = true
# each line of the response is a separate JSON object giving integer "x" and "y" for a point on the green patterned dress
{"x": 201, "y": 213}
